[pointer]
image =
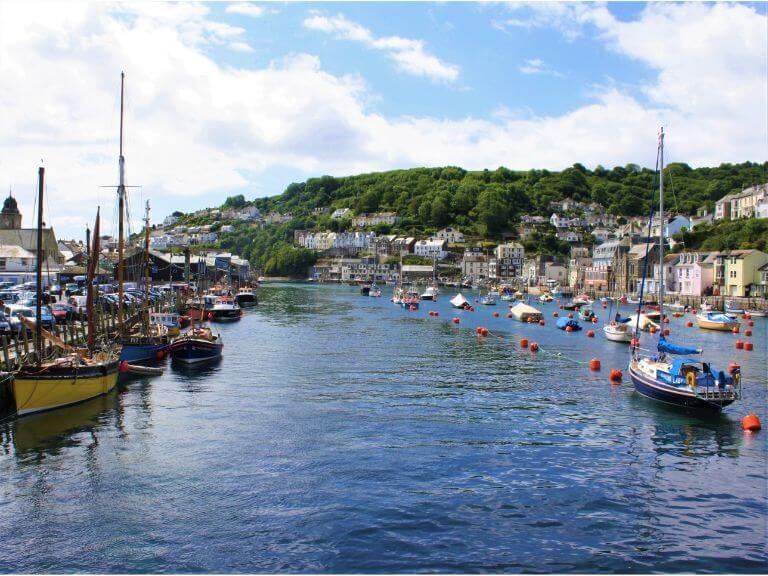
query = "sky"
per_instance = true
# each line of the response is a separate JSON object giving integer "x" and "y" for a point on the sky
{"x": 225, "y": 98}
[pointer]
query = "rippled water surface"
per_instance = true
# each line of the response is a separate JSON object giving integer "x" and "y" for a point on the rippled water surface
{"x": 343, "y": 434}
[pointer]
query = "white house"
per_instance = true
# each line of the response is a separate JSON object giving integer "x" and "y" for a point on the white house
{"x": 341, "y": 213}
{"x": 450, "y": 235}
{"x": 430, "y": 248}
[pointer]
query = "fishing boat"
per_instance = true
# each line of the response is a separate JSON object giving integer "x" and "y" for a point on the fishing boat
{"x": 682, "y": 382}
{"x": 42, "y": 384}
{"x": 459, "y": 301}
{"x": 545, "y": 298}
{"x": 171, "y": 320}
{"x": 246, "y": 297}
{"x": 199, "y": 345}
{"x": 224, "y": 309}
{"x": 407, "y": 298}
{"x": 430, "y": 293}
{"x": 365, "y": 289}
{"x": 565, "y": 323}
{"x": 525, "y": 313}
{"x": 716, "y": 321}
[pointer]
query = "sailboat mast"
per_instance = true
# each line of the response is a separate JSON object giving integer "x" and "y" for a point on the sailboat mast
{"x": 121, "y": 209}
{"x": 39, "y": 269}
{"x": 145, "y": 312}
{"x": 661, "y": 220}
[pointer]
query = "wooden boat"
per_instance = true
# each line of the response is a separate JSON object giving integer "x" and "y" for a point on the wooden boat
{"x": 523, "y": 313}
{"x": 144, "y": 370}
{"x": 716, "y": 321}
{"x": 617, "y": 332}
{"x": 171, "y": 320}
{"x": 682, "y": 382}
{"x": 46, "y": 384}
{"x": 197, "y": 346}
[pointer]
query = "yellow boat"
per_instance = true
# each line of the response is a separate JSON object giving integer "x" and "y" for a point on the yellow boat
{"x": 716, "y": 321}
{"x": 65, "y": 381}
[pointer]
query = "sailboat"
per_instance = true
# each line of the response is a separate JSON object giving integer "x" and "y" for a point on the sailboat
{"x": 78, "y": 375}
{"x": 618, "y": 329}
{"x": 684, "y": 382}
{"x": 147, "y": 342}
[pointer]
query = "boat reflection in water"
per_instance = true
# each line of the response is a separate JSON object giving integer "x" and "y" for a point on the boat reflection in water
{"x": 52, "y": 431}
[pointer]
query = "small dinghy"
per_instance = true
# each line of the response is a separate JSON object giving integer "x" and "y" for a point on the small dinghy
{"x": 144, "y": 370}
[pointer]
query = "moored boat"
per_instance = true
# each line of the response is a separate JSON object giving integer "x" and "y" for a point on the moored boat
{"x": 246, "y": 297}
{"x": 716, "y": 321}
{"x": 459, "y": 301}
{"x": 430, "y": 293}
{"x": 197, "y": 346}
{"x": 525, "y": 313}
{"x": 224, "y": 309}
{"x": 565, "y": 323}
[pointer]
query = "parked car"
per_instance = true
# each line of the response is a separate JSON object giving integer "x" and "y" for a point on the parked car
{"x": 55, "y": 289}
{"x": 13, "y": 312}
{"x": 5, "y": 325}
{"x": 63, "y": 312}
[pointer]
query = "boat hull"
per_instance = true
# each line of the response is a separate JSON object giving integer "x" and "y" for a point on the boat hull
{"x": 56, "y": 387}
{"x": 710, "y": 325}
{"x": 674, "y": 396}
{"x": 143, "y": 352}
{"x": 195, "y": 351}
{"x": 624, "y": 336}
{"x": 246, "y": 300}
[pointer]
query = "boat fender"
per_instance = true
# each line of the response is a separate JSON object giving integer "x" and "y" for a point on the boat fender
{"x": 210, "y": 315}
{"x": 690, "y": 378}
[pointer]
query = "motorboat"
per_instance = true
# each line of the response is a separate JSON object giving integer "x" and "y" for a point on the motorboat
{"x": 430, "y": 293}
{"x": 732, "y": 308}
{"x": 587, "y": 314}
{"x": 617, "y": 331}
{"x": 545, "y": 298}
{"x": 246, "y": 297}
{"x": 488, "y": 300}
{"x": 197, "y": 346}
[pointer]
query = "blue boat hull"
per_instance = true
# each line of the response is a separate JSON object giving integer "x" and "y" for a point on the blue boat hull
{"x": 674, "y": 396}
{"x": 131, "y": 353}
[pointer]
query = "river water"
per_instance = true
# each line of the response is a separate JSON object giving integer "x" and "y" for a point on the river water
{"x": 342, "y": 434}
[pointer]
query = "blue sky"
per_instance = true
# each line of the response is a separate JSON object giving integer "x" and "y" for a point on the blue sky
{"x": 226, "y": 98}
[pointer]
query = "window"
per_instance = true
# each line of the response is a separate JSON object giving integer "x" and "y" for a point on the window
{"x": 2, "y": 263}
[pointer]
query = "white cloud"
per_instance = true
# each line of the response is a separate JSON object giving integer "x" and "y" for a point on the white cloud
{"x": 246, "y": 8}
{"x": 410, "y": 56}
{"x": 197, "y": 129}
{"x": 537, "y": 66}
{"x": 240, "y": 47}
{"x": 569, "y": 18}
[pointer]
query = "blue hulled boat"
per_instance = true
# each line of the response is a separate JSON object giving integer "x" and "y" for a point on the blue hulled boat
{"x": 564, "y": 323}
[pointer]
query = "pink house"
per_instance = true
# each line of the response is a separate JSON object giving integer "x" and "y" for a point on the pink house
{"x": 693, "y": 274}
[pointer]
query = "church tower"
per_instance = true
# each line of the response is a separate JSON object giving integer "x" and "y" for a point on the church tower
{"x": 10, "y": 217}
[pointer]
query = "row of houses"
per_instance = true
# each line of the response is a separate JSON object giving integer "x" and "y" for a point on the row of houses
{"x": 750, "y": 202}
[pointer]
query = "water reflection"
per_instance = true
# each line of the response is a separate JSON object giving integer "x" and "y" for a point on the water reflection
{"x": 49, "y": 433}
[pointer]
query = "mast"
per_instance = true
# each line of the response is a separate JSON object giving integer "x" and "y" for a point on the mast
{"x": 121, "y": 209}
{"x": 145, "y": 310}
{"x": 661, "y": 222}
{"x": 39, "y": 271}
{"x": 93, "y": 266}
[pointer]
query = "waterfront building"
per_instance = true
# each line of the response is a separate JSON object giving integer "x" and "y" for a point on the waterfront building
{"x": 737, "y": 272}
{"x": 693, "y": 274}
{"x": 474, "y": 264}
{"x": 741, "y": 204}
{"x": 431, "y": 248}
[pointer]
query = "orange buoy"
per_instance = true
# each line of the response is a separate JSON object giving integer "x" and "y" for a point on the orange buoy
{"x": 484, "y": 331}
{"x": 590, "y": 333}
{"x": 569, "y": 329}
{"x": 210, "y": 315}
{"x": 739, "y": 345}
{"x": 561, "y": 306}
{"x": 437, "y": 313}
{"x": 523, "y": 342}
{"x": 751, "y": 422}
{"x": 652, "y": 330}
{"x": 123, "y": 367}
{"x": 616, "y": 375}
{"x": 693, "y": 311}
{"x": 594, "y": 364}
{"x": 747, "y": 316}
{"x": 594, "y": 320}
{"x": 735, "y": 330}
{"x": 748, "y": 346}
{"x": 456, "y": 320}
{"x": 412, "y": 308}
{"x": 509, "y": 314}
{"x": 666, "y": 320}
{"x": 555, "y": 314}
{"x": 750, "y": 323}
{"x": 534, "y": 347}
{"x": 495, "y": 314}
{"x": 159, "y": 355}
{"x": 747, "y": 332}
{"x": 665, "y": 331}
{"x": 541, "y": 322}
{"x": 689, "y": 324}
{"x": 478, "y": 329}
{"x": 733, "y": 367}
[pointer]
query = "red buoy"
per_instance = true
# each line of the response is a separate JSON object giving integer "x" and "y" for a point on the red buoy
{"x": 523, "y": 342}
{"x": 437, "y": 313}
{"x": 541, "y": 322}
{"x": 739, "y": 345}
{"x": 735, "y": 330}
{"x": 555, "y": 314}
{"x": 590, "y": 333}
{"x": 160, "y": 354}
{"x": 123, "y": 367}
{"x": 616, "y": 375}
{"x": 733, "y": 367}
{"x": 509, "y": 314}
{"x": 634, "y": 343}
{"x": 666, "y": 320}
{"x": 534, "y": 347}
{"x": 456, "y": 320}
{"x": 689, "y": 324}
{"x": 484, "y": 331}
{"x": 471, "y": 308}
{"x": 570, "y": 314}
{"x": 665, "y": 331}
{"x": 751, "y": 422}
{"x": 750, "y": 323}
{"x": 210, "y": 315}
{"x": 495, "y": 314}
{"x": 594, "y": 364}
{"x": 748, "y": 346}
{"x": 569, "y": 329}
{"x": 652, "y": 330}
{"x": 747, "y": 332}
{"x": 530, "y": 320}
